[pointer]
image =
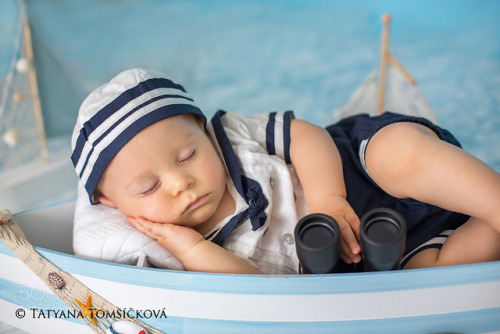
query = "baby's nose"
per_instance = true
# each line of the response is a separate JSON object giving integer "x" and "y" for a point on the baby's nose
{"x": 180, "y": 183}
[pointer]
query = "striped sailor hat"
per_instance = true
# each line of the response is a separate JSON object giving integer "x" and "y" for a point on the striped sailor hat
{"x": 113, "y": 113}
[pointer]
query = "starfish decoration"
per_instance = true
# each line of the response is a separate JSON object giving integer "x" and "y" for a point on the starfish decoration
{"x": 86, "y": 311}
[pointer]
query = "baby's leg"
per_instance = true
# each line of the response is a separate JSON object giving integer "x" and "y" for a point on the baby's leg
{"x": 408, "y": 160}
{"x": 473, "y": 235}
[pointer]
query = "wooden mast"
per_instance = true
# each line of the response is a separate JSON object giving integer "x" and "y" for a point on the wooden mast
{"x": 384, "y": 58}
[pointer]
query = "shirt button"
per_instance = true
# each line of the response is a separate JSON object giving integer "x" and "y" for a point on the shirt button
{"x": 288, "y": 239}
{"x": 271, "y": 182}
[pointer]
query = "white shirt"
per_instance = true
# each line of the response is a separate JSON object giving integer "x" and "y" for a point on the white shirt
{"x": 257, "y": 148}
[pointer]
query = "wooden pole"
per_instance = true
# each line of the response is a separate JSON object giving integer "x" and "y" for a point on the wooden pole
{"x": 394, "y": 62}
{"x": 35, "y": 96}
{"x": 384, "y": 57}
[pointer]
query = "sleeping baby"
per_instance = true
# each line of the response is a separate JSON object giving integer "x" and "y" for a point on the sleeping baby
{"x": 225, "y": 195}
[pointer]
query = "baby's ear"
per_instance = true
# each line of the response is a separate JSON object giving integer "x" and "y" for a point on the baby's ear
{"x": 106, "y": 201}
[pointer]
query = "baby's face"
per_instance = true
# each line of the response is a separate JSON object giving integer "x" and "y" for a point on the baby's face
{"x": 168, "y": 173}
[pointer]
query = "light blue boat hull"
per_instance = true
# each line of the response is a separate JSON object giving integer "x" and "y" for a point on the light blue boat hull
{"x": 463, "y": 299}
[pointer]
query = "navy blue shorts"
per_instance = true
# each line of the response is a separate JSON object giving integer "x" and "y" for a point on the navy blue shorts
{"x": 424, "y": 221}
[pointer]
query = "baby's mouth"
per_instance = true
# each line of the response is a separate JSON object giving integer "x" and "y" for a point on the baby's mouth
{"x": 196, "y": 203}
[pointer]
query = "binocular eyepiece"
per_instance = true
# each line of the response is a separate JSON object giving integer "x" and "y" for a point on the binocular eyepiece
{"x": 382, "y": 237}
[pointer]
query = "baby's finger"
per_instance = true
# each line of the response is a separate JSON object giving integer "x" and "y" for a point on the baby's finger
{"x": 143, "y": 226}
{"x": 345, "y": 258}
{"x": 353, "y": 221}
{"x": 348, "y": 236}
{"x": 347, "y": 255}
{"x": 345, "y": 252}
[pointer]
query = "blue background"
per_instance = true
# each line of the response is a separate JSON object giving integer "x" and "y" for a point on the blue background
{"x": 258, "y": 56}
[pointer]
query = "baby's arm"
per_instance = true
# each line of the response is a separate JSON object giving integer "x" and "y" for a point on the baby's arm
{"x": 189, "y": 246}
{"x": 319, "y": 167}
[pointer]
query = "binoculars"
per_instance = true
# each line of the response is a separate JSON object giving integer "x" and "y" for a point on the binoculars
{"x": 382, "y": 238}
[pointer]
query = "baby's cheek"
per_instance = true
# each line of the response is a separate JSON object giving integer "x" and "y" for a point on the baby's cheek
{"x": 210, "y": 163}
{"x": 158, "y": 212}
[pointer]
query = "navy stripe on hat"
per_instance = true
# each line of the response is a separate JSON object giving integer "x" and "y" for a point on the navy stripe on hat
{"x": 109, "y": 128}
{"x": 117, "y": 104}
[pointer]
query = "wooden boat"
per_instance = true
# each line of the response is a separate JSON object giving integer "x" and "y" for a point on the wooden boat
{"x": 454, "y": 299}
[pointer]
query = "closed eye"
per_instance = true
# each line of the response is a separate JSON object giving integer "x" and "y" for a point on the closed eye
{"x": 151, "y": 189}
{"x": 189, "y": 156}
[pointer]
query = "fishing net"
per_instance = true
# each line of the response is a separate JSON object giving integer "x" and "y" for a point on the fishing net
{"x": 21, "y": 127}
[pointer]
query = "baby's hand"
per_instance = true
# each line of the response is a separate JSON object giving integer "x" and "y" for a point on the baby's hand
{"x": 176, "y": 239}
{"x": 338, "y": 208}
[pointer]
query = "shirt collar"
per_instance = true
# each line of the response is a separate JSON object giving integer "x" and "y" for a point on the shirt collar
{"x": 247, "y": 188}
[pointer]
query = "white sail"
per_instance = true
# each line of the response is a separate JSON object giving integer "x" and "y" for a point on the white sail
{"x": 405, "y": 97}
{"x": 363, "y": 100}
